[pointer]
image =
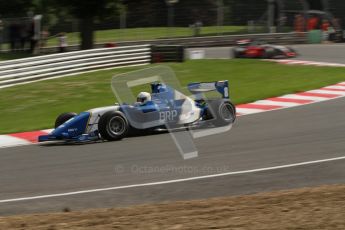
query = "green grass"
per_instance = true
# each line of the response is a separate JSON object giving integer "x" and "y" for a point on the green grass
{"x": 36, "y": 105}
{"x": 11, "y": 56}
{"x": 133, "y": 34}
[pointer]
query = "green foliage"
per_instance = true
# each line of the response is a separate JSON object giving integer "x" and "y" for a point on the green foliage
{"x": 87, "y": 12}
{"x": 90, "y": 8}
{"x": 144, "y": 13}
{"x": 14, "y": 8}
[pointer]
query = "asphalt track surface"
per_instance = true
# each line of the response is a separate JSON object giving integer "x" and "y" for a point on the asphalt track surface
{"x": 334, "y": 53}
{"x": 276, "y": 138}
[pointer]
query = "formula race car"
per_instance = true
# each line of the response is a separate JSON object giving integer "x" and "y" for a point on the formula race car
{"x": 257, "y": 49}
{"x": 167, "y": 108}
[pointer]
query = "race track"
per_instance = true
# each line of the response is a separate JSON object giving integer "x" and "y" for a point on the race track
{"x": 259, "y": 141}
{"x": 334, "y": 53}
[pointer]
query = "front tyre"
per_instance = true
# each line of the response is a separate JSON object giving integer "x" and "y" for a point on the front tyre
{"x": 62, "y": 118}
{"x": 113, "y": 126}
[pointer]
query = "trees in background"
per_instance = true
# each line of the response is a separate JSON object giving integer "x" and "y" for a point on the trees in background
{"x": 145, "y": 13}
{"x": 87, "y": 12}
{"x": 14, "y": 8}
{"x": 90, "y": 14}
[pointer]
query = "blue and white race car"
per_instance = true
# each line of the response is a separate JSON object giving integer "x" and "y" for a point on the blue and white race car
{"x": 166, "y": 109}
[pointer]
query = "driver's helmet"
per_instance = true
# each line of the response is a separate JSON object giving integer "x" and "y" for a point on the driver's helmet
{"x": 143, "y": 97}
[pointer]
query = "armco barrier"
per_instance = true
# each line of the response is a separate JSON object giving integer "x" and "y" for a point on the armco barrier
{"x": 49, "y": 66}
{"x": 207, "y": 41}
{"x": 228, "y": 40}
{"x": 167, "y": 53}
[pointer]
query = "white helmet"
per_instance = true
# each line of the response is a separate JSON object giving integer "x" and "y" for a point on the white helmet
{"x": 143, "y": 97}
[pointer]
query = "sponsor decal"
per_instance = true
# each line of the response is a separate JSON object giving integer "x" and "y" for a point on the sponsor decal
{"x": 73, "y": 130}
{"x": 168, "y": 115}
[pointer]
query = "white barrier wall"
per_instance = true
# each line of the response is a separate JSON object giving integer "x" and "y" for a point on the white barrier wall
{"x": 25, "y": 70}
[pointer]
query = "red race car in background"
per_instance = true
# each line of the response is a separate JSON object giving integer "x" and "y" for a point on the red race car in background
{"x": 257, "y": 49}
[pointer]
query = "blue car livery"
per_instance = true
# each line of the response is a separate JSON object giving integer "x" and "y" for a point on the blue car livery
{"x": 167, "y": 109}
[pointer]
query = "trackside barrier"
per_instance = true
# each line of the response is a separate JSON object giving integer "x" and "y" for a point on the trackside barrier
{"x": 206, "y": 41}
{"x": 228, "y": 40}
{"x": 48, "y": 66}
{"x": 167, "y": 53}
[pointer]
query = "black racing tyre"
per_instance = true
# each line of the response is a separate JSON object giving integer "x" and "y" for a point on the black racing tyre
{"x": 265, "y": 54}
{"x": 62, "y": 118}
{"x": 113, "y": 126}
{"x": 279, "y": 54}
{"x": 223, "y": 112}
{"x": 269, "y": 53}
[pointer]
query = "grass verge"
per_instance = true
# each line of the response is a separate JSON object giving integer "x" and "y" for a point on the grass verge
{"x": 35, "y": 106}
{"x": 15, "y": 55}
{"x": 303, "y": 209}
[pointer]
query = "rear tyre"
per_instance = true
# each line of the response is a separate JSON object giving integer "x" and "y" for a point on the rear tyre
{"x": 223, "y": 113}
{"x": 268, "y": 53}
{"x": 113, "y": 126}
{"x": 264, "y": 54}
{"x": 62, "y": 118}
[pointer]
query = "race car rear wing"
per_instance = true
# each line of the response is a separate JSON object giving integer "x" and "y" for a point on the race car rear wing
{"x": 198, "y": 88}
